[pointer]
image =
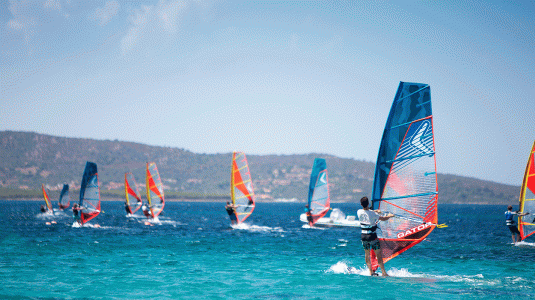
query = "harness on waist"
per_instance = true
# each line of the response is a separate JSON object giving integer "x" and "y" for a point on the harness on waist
{"x": 368, "y": 229}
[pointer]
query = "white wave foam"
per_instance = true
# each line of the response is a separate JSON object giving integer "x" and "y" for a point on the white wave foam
{"x": 524, "y": 244}
{"x": 306, "y": 226}
{"x": 256, "y": 228}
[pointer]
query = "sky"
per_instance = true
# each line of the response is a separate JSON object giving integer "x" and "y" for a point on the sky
{"x": 274, "y": 77}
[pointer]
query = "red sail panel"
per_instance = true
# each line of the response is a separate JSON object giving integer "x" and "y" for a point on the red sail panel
{"x": 133, "y": 198}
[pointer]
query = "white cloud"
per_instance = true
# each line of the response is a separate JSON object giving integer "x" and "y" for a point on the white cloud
{"x": 149, "y": 21}
{"x": 168, "y": 16}
{"x": 55, "y": 5}
{"x": 139, "y": 22}
{"x": 23, "y": 19}
{"x": 105, "y": 14}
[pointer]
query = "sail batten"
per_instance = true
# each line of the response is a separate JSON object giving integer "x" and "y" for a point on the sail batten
{"x": 241, "y": 187}
{"x": 403, "y": 184}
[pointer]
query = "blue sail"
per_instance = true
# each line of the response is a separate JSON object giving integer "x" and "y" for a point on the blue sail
{"x": 405, "y": 181}
{"x": 318, "y": 190}
{"x": 64, "y": 198}
{"x": 89, "y": 193}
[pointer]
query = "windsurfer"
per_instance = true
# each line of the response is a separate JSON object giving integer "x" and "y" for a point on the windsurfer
{"x": 76, "y": 212}
{"x": 127, "y": 208}
{"x": 368, "y": 224}
{"x": 146, "y": 212}
{"x": 43, "y": 209}
{"x": 231, "y": 209}
{"x": 308, "y": 212}
{"x": 510, "y": 222}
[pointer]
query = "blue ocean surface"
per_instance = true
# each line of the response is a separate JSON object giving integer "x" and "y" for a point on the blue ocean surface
{"x": 194, "y": 254}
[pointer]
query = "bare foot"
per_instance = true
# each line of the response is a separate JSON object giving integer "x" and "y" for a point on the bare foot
{"x": 385, "y": 275}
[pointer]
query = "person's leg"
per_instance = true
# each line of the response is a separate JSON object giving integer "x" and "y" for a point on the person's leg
{"x": 368, "y": 260}
{"x": 379, "y": 256}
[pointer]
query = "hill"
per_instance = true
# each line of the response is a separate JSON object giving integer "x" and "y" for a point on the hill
{"x": 29, "y": 159}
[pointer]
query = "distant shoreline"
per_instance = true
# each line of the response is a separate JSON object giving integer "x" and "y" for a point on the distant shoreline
{"x": 224, "y": 200}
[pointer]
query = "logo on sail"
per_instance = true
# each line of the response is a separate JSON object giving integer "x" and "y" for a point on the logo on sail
{"x": 322, "y": 178}
{"x": 416, "y": 140}
{"x": 413, "y": 230}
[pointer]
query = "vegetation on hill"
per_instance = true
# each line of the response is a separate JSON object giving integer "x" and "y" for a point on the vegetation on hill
{"x": 29, "y": 159}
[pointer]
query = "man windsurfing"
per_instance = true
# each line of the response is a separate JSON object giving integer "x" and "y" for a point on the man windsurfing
{"x": 368, "y": 224}
{"x": 511, "y": 224}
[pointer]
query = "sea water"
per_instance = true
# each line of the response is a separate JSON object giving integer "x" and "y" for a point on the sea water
{"x": 193, "y": 253}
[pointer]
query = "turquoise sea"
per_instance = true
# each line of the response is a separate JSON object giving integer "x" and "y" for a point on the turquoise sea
{"x": 194, "y": 254}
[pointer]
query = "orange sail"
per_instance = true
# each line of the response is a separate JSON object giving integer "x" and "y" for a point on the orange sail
{"x": 155, "y": 194}
{"x": 526, "y": 224}
{"x": 241, "y": 187}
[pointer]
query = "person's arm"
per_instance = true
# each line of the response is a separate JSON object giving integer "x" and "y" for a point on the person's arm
{"x": 386, "y": 217}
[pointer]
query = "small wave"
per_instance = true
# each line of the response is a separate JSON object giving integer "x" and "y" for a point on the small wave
{"x": 256, "y": 228}
{"x": 342, "y": 268}
{"x": 524, "y": 244}
{"x": 306, "y": 226}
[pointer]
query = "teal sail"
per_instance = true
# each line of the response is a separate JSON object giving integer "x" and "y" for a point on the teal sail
{"x": 405, "y": 181}
{"x": 89, "y": 193}
{"x": 318, "y": 190}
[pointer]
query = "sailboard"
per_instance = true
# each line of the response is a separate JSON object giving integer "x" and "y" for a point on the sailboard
{"x": 64, "y": 198}
{"x": 318, "y": 191}
{"x": 405, "y": 181}
{"x": 241, "y": 187}
{"x": 47, "y": 200}
{"x": 526, "y": 224}
{"x": 155, "y": 194}
{"x": 89, "y": 193}
{"x": 133, "y": 198}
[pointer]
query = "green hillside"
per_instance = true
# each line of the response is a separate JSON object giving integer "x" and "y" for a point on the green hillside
{"x": 29, "y": 159}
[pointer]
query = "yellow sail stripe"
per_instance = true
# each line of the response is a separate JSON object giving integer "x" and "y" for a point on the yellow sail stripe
{"x": 242, "y": 182}
{"x": 245, "y": 196}
{"x": 237, "y": 170}
{"x": 240, "y": 155}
